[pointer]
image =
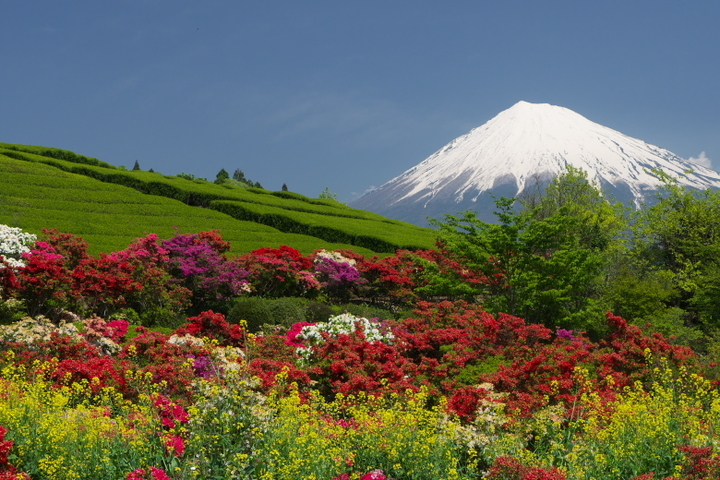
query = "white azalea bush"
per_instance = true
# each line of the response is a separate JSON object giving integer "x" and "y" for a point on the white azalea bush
{"x": 335, "y": 256}
{"x": 345, "y": 324}
{"x": 30, "y": 330}
{"x": 13, "y": 243}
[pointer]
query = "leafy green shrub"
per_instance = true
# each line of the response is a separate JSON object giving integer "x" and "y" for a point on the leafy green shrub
{"x": 11, "y": 310}
{"x": 161, "y": 316}
{"x": 289, "y": 310}
{"x": 318, "y": 312}
{"x": 254, "y": 310}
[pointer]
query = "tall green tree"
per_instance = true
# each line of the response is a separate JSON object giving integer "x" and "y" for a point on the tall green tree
{"x": 678, "y": 237}
{"x": 221, "y": 176}
{"x": 239, "y": 176}
{"x": 543, "y": 262}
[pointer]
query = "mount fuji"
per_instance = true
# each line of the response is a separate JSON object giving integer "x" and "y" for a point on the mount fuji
{"x": 522, "y": 147}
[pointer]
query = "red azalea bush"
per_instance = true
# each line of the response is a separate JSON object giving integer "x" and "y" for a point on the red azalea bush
{"x": 169, "y": 363}
{"x": 100, "y": 372}
{"x": 153, "y": 472}
{"x": 214, "y": 326}
{"x": 349, "y": 364}
{"x": 7, "y": 470}
{"x": 279, "y": 272}
{"x": 509, "y": 468}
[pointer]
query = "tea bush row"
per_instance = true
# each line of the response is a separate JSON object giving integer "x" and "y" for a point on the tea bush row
{"x": 204, "y": 194}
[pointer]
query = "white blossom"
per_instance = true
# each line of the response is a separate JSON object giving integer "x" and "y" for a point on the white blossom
{"x": 13, "y": 243}
{"x": 334, "y": 256}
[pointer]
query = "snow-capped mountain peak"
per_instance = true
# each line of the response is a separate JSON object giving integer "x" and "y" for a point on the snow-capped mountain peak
{"x": 521, "y": 145}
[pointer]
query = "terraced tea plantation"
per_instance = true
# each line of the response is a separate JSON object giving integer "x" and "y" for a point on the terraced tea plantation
{"x": 109, "y": 207}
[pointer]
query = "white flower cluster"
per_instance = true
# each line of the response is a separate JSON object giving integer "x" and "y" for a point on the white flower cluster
{"x": 29, "y": 330}
{"x": 13, "y": 243}
{"x": 334, "y": 256}
{"x": 228, "y": 358}
{"x": 344, "y": 324}
{"x": 186, "y": 339}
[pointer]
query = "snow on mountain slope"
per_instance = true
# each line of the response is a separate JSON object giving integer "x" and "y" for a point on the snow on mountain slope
{"x": 523, "y": 145}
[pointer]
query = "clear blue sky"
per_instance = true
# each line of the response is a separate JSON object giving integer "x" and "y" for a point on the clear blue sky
{"x": 344, "y": 94}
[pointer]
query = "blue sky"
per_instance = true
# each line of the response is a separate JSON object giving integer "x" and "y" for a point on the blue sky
{"x": 344, "y": 94}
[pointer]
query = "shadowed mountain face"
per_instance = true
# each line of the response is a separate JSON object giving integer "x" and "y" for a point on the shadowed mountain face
{"x": 522, "y": 148}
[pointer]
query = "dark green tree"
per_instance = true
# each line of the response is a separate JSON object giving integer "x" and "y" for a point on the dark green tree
{"x": 136, "y": 166}
{"x": 239, "y": 176}
{"x": 222, "y": 176}
{"x": 284, "y": 187}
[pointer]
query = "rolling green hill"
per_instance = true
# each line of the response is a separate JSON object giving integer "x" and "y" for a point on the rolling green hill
{"x": 109, "y": 207}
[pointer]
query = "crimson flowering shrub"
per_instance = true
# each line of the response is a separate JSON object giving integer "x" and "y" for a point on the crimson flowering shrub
{"x": 9, "y": 283}
{"x": 102, "y": 285}
{"x": 160, "y": 298}
{"x": 409, "y": 276}
{"x": 45, "y": 282}
{"x": 509, "y": 468}
{"x": 700, "y": 463}
{"x": 349, "y": 364}
{"x": 268, "y": 356}
{"x": 172, "y": 417}
{"x": 153, "y": 472}
{"x": 7, "y": 470}
{"x": 169, "y": 363}
{"x": 291, "y": 337}
{"x": 386, "y": 279}
{"x": 622, "y": 354}
{"x": 214, "y": 326}
{"x": 372, "y": 475}
{"x": 60, "y": 275}
{"x": 100, "y": 372}
{"x": 279, "y": 272}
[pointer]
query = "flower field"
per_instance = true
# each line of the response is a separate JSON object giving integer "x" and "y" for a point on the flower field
{"x": 153, "y": 363}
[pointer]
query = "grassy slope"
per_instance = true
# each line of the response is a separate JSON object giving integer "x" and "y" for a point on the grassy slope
{"x": 41, "y": 187}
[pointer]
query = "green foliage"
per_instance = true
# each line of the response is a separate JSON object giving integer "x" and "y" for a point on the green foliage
{"x": 543, "y": 263}
{"x": 288, "y": 310}
{"x": 318, "y": 312}
{"x": 255, "y": 311}
{"x": 328, "y": 195}
{"x": 11, "y": 310}
{"x": 471, "y": 372}
{"x": 239, "y": 176}
{"x": 675, "y": 256}
{"x": 190, "y": 176}
{"x": 221, "y": 176}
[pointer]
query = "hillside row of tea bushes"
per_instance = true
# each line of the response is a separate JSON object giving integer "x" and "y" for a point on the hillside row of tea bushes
{"x": 79, "y": 201}
{"x": 34, "y": 196}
